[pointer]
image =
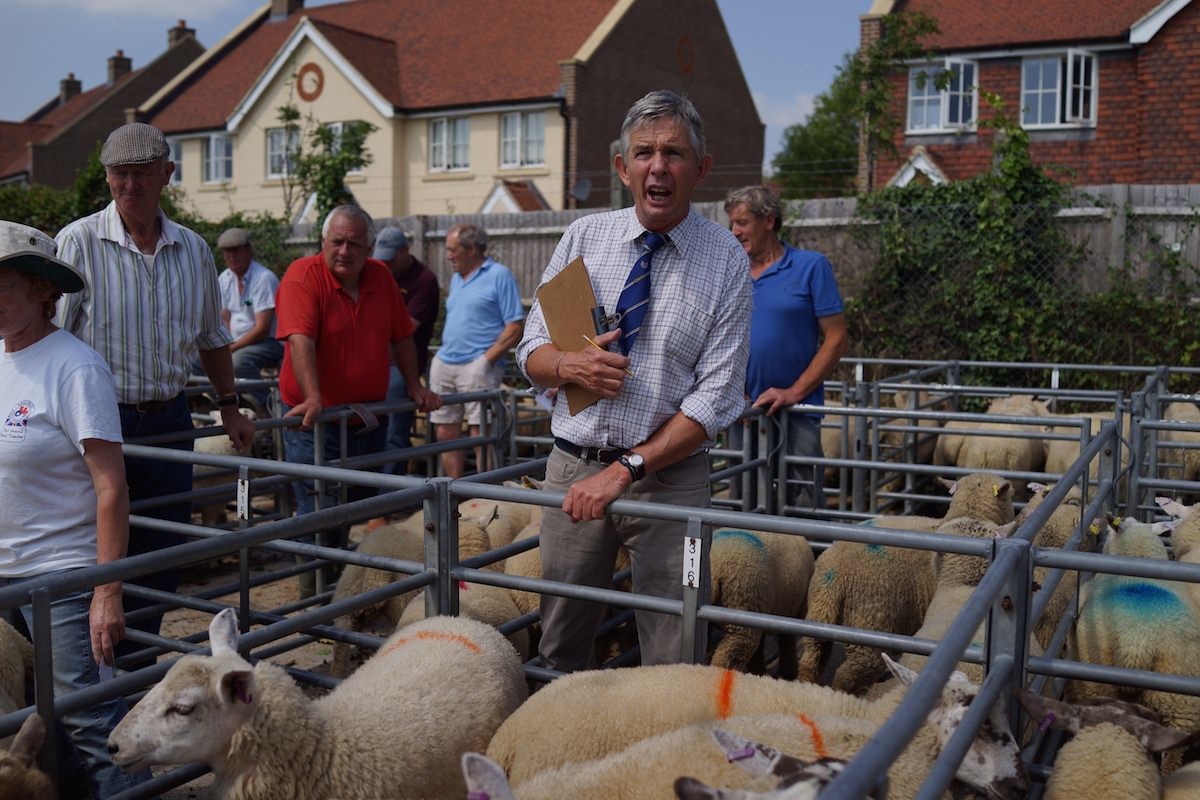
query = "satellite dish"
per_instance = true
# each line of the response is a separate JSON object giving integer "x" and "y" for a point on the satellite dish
{"x": 581, "y": 189}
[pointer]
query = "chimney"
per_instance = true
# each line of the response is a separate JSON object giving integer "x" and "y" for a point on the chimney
{"x": 68, "y": 87}
{"x": 282, "y": 9}
{"x": 179, "y": 33}
{"x": 118, "y": 66}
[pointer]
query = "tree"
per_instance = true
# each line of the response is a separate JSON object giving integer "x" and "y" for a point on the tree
{"x": 820, "y": 155}
{"x": 321, "y": 158}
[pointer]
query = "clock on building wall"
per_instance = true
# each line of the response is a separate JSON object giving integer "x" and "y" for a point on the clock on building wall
{"x": 310, "y": 80}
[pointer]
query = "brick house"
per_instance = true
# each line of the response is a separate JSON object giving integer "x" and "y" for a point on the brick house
{"x": 1104, "y": 88}
{"x": 54, "y": 142}
{"x": 496, "y": 105}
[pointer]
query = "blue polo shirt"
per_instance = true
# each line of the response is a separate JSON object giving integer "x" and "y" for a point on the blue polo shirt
{"x": 789, "y": 297}
{"x": 477, "y": 310}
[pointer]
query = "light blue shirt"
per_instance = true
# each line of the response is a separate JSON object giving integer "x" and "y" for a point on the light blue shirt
{"x": 477, "y": 311}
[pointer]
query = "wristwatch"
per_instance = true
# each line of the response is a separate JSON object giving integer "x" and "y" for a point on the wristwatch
{"x": 635, "y": 464}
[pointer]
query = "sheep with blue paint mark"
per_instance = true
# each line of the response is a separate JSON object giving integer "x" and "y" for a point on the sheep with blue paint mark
{"x": 885, "y": 588}
{"x": 763, "y": 572}
{"x": 1139, "y": 623}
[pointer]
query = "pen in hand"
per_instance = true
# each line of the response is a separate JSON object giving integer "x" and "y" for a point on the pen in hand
{"x": 592, "y": 342}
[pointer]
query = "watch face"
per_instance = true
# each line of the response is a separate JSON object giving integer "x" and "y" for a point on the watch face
{"x": 636, "y": 459}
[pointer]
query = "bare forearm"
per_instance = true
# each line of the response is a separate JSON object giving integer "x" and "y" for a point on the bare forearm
{"x": 218, "y": 366}
{"x": 404, "y": 354}
{"x": 506, "y": 341}
{"x": 304, "y": 364}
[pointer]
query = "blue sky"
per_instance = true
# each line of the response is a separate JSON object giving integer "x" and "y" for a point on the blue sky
{"x": 788, "y": 48}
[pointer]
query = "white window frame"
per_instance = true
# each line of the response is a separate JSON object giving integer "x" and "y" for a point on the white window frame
{"x": 1069, "y": 76}
{"x": 449, "y": 144}
{"x": 213, "y": 144}
{"x": 337, "y": 128}
{"x": 176, "y": 156}
{"x": 965, "y": 99}
{"x": 518, "y": 147}
{"x": 275, "y": 137}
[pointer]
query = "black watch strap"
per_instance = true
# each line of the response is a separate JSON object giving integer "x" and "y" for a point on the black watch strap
{"x": 227, "y": 401}
{"x": 637, "y": 471}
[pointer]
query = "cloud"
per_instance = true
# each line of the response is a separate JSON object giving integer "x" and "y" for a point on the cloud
{"x": 777, "y": 112}
{"x": 165, "y": 9}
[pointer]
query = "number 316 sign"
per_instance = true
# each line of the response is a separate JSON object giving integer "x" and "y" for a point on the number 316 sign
{"x": 692, "y": 549}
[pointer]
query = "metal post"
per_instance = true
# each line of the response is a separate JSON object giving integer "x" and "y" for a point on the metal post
{"x": 44, "y": 679}
{"x": 693, "y": 641}
{"x": 1008, "y": 622}
{"x": 859, "y": 500}
{"x": 441, "y": 549}
{"x": 243, "y": 515}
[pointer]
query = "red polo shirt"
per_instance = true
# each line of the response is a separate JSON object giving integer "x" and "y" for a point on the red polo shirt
{"x": 353, "y": 337}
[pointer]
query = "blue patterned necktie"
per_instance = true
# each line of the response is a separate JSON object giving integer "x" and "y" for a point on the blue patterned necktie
{"x": 635, "y": 297}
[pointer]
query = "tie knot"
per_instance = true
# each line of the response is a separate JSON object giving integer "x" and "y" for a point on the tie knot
{"x": 653, "y": 241}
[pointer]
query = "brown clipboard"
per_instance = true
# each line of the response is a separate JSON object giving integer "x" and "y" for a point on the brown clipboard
{"x": 567, "y": 301}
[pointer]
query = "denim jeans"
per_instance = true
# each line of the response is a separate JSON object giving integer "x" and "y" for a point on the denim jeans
{"x": 249, "y": 361}
{"x": 805, "y": 481}
{"x": 399, "y": 426}
{"x": 150, "y": 478}
{"x": 74, "y": 669}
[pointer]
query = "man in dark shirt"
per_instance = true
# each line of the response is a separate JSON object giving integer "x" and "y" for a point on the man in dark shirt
{"x": 420, "y": 289}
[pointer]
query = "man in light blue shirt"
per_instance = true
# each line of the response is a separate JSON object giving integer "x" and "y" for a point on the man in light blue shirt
{"x": 483, "y": 322}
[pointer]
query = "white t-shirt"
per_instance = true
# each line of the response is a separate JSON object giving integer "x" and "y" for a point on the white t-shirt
{"x": 258, "y": 294}
{"x": 53, "y": 395}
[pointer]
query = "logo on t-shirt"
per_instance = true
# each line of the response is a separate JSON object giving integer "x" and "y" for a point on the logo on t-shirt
{"x": 16, "y": 421}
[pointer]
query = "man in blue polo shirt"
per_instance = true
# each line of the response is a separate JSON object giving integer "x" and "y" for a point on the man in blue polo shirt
{"x": 797, "y": 331}
{"x": 483, "y": 322}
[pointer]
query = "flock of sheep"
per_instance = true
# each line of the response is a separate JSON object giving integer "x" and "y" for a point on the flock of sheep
{"x": 441, "y": 709}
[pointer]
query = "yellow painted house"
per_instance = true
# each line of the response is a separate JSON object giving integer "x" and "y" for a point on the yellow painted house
{"x": 480, "y": 105}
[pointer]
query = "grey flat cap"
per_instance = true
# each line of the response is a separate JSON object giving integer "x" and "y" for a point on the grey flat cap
{"x": 29, "y": 250}
{"x": 135, "y": 143}
{"x": 388, "y": 241}
{"x": 234, "y": 237}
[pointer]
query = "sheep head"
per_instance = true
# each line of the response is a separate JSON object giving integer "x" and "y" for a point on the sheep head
{"x": 798, "y": 780}
{"x": 19, "y": 775}
{"x": 993, "y": 762}
{"x": 1138, "y": 721}
{"x": 193, "y": 713}
{"x": 484, "y": 778}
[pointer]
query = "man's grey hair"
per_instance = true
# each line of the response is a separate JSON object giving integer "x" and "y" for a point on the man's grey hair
{"x": 471, "y": 236}
{"x": 759, "y": 201}
{"x": 657, "y": 105}
{"x": 350, "y": 210}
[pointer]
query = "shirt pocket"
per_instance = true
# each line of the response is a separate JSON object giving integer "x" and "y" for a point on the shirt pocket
{"x": 687, "y": 333}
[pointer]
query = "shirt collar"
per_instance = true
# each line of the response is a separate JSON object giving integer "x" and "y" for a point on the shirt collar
{"x": 679, "y": 236}
{"x": 112, "y": 227}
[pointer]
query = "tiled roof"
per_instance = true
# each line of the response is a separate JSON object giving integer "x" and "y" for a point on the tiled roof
{"x": 972, "y": 24}
{"x": 14, "y": 144}
{"x": 67, "y": 112}
{"x": 526, "y": 195}
{"x": 419, "y": 54}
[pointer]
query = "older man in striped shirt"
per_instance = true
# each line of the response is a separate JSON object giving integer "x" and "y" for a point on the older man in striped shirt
{"x": 676, "y": 382}
{"x": 149, "y": 306}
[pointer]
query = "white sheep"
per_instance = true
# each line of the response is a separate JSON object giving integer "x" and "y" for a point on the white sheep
{"x": 1109, "y": 756}
{"x": 999, "y": 453}
{"x": 492, "y": 605}
{"x": 405, "y": 541}
{"x": 958, "y": 575}
{"x": 1179, "y": 463}
{"x": 1056, "y": 532}
{"x": 1062, "y": 453}
{"x": 1185, "y": 535}
{"x": 395, "y": 728}
{"x": 764, "y": 572}
{"x": 19, "y": 775}
{"x": 646, "y": 767}
{"x": 1139, "y": 623}
{"x": 884, "y": 588}
{"x": 502, "y": 520}
{"x": 16, "y": 663}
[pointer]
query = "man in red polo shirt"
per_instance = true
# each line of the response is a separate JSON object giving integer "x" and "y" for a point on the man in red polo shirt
{"x": 343, "y": 323}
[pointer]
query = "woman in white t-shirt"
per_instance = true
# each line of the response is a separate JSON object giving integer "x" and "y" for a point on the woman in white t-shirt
{"x": 64, "y": 504}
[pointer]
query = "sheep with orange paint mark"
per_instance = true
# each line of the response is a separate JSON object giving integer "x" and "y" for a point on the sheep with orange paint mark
{"x": 395, "y": 728}
{"x": 643, "y": 728}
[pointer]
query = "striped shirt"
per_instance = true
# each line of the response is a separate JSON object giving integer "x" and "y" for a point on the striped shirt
{"x": 147, "y": 317}
{"x": 691, "y": 353}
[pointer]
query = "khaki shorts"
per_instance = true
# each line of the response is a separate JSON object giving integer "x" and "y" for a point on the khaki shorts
{"x": 474, "y": 376}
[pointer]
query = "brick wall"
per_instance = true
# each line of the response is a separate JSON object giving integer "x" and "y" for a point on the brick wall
{"x": 56, "y": 161}
{"x": 682, "y": 46}
{"x": 1147, "y": 129}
